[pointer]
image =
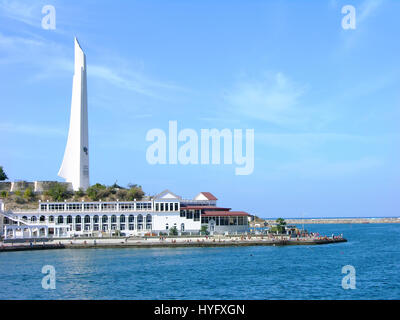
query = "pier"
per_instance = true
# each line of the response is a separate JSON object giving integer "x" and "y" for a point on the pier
{"x": 25, "y": 247}
{"x": 177, "y": 242}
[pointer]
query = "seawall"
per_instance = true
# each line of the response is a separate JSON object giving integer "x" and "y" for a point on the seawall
{"x": 170, "y": 243}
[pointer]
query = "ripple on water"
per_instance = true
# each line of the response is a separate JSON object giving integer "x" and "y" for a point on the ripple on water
{"x": 292, "y": 272}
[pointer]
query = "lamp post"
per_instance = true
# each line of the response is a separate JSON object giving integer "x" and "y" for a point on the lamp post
{"x": 302, "y": 214}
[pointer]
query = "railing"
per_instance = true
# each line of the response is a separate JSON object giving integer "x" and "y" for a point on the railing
{"x": 15, "y": 218}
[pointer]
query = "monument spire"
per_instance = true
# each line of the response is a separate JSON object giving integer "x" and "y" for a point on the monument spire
{"x": 75, "y": 165}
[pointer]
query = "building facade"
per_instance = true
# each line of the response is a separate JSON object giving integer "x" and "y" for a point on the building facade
{"x": 155, "y": 216}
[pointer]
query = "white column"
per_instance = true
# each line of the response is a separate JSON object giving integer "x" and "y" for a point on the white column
{"x": 91, "y": 223}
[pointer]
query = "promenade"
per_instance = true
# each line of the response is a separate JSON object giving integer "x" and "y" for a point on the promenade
{"x": 170, "y": 242}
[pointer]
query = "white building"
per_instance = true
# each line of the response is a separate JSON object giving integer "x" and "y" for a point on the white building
{"x": 127, "y": 218}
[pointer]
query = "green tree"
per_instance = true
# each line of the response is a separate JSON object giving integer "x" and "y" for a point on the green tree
{"x": 4, "y": 194}
{"x": 29, "y": 194}
{"x": 280, "y": 225}
{"x": 173, "y": 231}
{"x": 97, "y": 191}
{"x": 281, "y": 222}
{"x": 134, "y": 192}
{"x": 80, "y": 193}
{"x": 58, "y": 192}
{"x": 204, "y": 230}
{"x": 122, "y": 194}
{"x": 3, "y": 175}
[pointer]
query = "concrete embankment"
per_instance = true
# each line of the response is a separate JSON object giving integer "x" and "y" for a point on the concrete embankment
{"x": 20, "y": 247}
{"x": 170, "y": 243}
{"x": 206, "y": 244}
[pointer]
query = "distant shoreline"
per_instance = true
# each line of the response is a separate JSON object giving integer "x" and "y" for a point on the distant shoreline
{"x": 337, "y": 220}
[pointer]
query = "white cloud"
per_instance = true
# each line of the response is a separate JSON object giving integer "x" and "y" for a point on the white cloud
{"x": 131, "y": 80}
{"x": 30, "y": 129}
{"x": 52, "y": 60}
{"x": 367, "y": 8}
{"x": 274, "y": 98}
{"x": 29, "y": 14}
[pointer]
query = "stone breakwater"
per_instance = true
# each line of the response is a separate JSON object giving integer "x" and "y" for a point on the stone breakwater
{"x": 337, "y": 220}
{"x": 170, "y": 243}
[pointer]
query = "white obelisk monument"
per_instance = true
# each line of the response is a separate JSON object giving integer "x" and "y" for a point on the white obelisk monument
{"x": 75, "y": 165}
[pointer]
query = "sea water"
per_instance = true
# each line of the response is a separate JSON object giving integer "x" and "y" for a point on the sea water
{"x": 280, "y": 272}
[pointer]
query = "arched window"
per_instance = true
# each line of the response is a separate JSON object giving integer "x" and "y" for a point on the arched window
{"x": 60, "y": 219}
{"x": 131, "y": 218}
{"x": 113, "y": 218}
{"x": 42, "y": 218}
{"x": 140, "y": 222}
{"x": 87, "y": 219}
{"x": 69, "y": 219}
{"x": 104, "y": 219}
{"x": 25, "y": 218}
{"x": 96, "y": 219}
{"x": 148, "y": 222}
{"x": 122, "y": 218}
{"x": 51, "y": 218}
{"x": 78, "y": 219}
{"x": 33, "y": 219}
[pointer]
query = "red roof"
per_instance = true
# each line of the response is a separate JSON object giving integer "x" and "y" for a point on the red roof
{"x": 209, "y": 195}
{"x": 205, "y": 207}
{"x": 224, "y": 213}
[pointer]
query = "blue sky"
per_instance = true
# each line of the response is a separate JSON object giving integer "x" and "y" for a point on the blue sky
{"x": 324, "y": 102}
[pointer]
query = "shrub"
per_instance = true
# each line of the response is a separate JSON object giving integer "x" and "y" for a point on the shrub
{"x": 134, "y": 192}
{"x": 122, "y": 194}
{"x": 204, "y": 230}
{"x": 4, "y": 194}
{"x": 80, "y": 193}
{"x": 19, "y": 200}
{"x": 58, "y": 192}
{"x": 29, "y": 194}
{"x": 173, "y": 231}
{"x": 97, "y": 192}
